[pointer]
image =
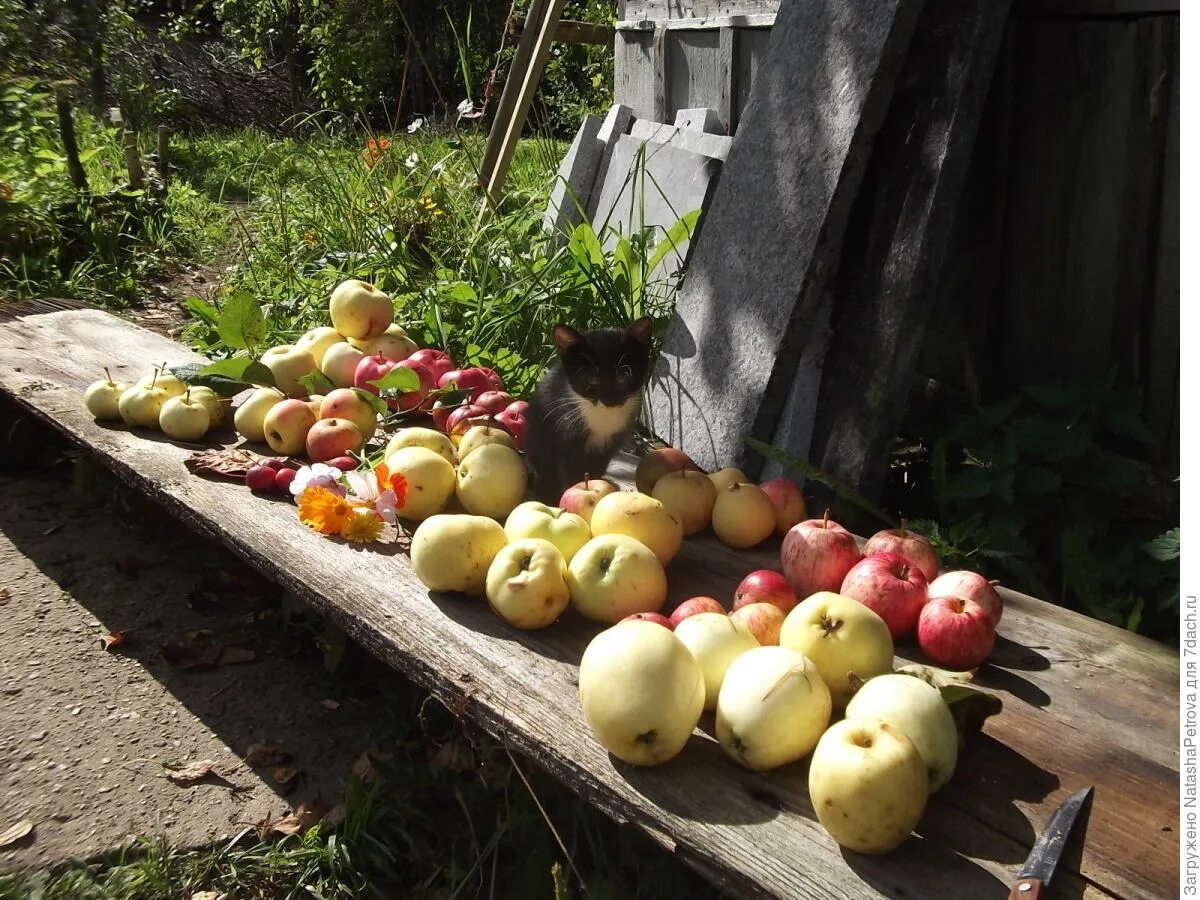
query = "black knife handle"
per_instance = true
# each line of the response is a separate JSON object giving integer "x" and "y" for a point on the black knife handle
{"x": 1027, "y": 889}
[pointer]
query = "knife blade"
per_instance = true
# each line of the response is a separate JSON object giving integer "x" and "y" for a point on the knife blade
{"x": 1039, "y": 866}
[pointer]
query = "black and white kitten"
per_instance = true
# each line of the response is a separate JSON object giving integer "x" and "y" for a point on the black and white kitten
{"x": 585, "y": 405}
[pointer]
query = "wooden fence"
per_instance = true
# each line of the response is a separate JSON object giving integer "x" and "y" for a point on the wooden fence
{"x": 1065, "y": 257}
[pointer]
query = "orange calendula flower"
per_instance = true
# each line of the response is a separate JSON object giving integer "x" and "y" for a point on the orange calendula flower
{"x": 310, "y": 238}
{"x": 323, "y": 510}
{"x": 371, "y": 144}
{"x": 384, "y": 143}
{"x": 399, "y": 485}
{"x": 363, "y": 526}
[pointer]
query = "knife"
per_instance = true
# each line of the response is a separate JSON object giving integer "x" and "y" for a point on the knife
{"x": 1039, "y": 867}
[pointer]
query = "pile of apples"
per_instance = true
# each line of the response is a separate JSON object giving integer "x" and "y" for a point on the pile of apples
{"x": 362, "y": 347}
{"x": 742, "y": 514}
{"x": 159, "y": 401}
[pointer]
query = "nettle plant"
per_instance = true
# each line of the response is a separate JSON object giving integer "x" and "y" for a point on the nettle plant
{"x": 1046, "y": 491}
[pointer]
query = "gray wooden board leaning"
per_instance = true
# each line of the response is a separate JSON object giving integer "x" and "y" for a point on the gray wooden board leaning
{"x": 772, "y": 233}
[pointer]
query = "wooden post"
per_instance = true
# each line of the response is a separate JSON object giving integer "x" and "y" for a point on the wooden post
{"x": 66, "y": 125}
{"x": 528, "y": 62}
{"x": 133, "y": 163}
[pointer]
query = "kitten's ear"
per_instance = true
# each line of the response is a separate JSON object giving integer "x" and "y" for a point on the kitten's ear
{"x": 566, "y": 337}
{"x": 641, "y": 330}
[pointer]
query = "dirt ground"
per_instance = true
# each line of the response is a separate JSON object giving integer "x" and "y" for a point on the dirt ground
{"x": 209, "y": 666}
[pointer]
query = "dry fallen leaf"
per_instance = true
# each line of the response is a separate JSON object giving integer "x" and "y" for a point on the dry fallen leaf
{"x": 331, "y": 704}
{"x": 113, "y": 641}
{"x": 199, "y": 650}
{"x": 3, "y": 596}
{"x": 226, "y": 463}
{"x": 264, "y": 755}
{"x": 364, "y": 766}
{"x": 16, "y": 832}
{"x": 207, "y": 895}
{"x": 284, "y": 774}
{"x": 298, "y": 820}
{"x": 189, "y": 773}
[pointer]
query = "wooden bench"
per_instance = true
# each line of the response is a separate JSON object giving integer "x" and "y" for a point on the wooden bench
{"x": 1084, "y": 702}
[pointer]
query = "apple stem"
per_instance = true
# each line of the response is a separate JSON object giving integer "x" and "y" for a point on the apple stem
{"x": 994, "y": 582}
{"x": 903, "y": 526}
{"x": 825, "y": 519}
{"x": 187, "y": 394}
{"x": 107, "y": 376}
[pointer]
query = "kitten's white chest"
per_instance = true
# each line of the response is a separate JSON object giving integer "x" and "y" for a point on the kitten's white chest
{"x": 605, "y": 422}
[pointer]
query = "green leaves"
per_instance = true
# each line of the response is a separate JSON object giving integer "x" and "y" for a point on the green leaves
{"x": 241, "y": 323}
{"x": 1165, "y": 547}
{"x": 400, "y": 379}
{"x": 316, "y": 382}
{"x": 377, "y": 403}
{"x": 227, "y": 377}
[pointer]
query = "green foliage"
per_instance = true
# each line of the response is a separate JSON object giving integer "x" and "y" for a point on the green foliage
{"x": 1045, "y": 490}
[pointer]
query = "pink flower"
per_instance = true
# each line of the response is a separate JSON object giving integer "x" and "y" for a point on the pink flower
{"x": 368, "y": 487}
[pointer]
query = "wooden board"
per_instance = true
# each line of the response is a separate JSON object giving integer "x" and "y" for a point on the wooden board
{"x": 1085, "y": 703}
{"x": 904, "y": 218}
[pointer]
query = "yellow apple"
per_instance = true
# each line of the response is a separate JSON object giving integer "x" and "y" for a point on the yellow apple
{"x": 743, "y": 515}
{"x": 184, "y": 418}
{"x": 140, "y": 405}
{"x": 317, "y": 340}
{"x": 642, "y": 692}
{"x": 248, "y": 417}
{"x": 566, "y": 531}
{"x": 478, "y": 435}
{"x": 161, "y": 378}
{"x": 340, "y": 362}
{"x": 286, "y": 426}
{"x": 642, "y": 518}
{"x": 430, "y": 481}
{"x": 527, "y": 583}
{"x": 491, "y": 481}
{"x": 614, "y": 576}
{"x": 358, "y": 310}
{"x": 288, "y": 364}
{"x": 840, "y": 636}
{"x": 214, "y": 404}
{"x": 393, "y": 344}
{"x": 868, "y": 785}
{"x": 422, "y": 437}
{"x": 690, "y": 495}
{"x": 917, "y": 709}
{"x": 453, "y": 553}
{"x": 723, "y": 478}
{"x": 773, "y": 707}
{"x": 716, "y": 641}
{"x": 101, "y": 398}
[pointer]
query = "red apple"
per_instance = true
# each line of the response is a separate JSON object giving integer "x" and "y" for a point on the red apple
{"x": 283, "y": 480}
{"x": 372, "y": 368}
{"x": 656, "y": 618}
{"x": 694, "y": 606}
{"x": 494, "y": 401}
{"x": 909, "y": 544}
{"x": 816, "y": 555}
{"x": 442, "y": 407}
{"x": 345, "y": 463}
{"x": 518, "y": 407}
{"x": 970, "y": 586}
{"x": 261, "y": 479}
{"x": 657, "y": 463}
{"x": 438, "y": 362}
{"x": 785, "y": 496}
{"x": 582, "y": 498}
{"x": 514, "y": 424}
{"x": 475, "y": 380}
{"x": 412, "y": 400}
{"x": 765, "y": 586}
{"x": 459, "y": 419}
{"x": 763, "y": 620}
{"x": 331, "y": 438}
{"x": 890, "y": 585}
{"x": 955, "y": 632}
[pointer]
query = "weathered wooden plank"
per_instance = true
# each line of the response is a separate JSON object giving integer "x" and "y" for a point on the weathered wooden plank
{"x": 772, "y": 234}
{"x": 753, "y": 834}
{"x": 696, "y": 9}
{"x": 1084, "y": 154}
{"x": 1162, "y": 347}
{"x": 571, "y": 32}
{"x": 533, "y": 48}
{"x": 908, "y": 206}
{"x": 633, "y": 80}
{"x": 694, "y": 71}
{"x": 751, "y": 46}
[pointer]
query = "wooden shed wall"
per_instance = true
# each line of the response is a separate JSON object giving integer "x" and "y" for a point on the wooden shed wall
{"x": 1066, "y": 256}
